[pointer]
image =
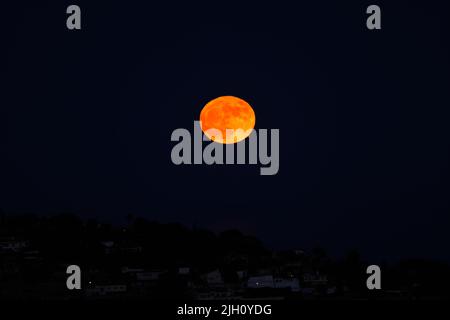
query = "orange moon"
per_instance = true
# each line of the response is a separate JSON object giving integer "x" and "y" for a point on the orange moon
{"x": 227, "y": 112}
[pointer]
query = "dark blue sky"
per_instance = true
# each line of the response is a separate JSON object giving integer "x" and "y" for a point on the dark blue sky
{"x": 86, "y": 119}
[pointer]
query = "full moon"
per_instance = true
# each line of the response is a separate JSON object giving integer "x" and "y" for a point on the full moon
{"x": 227, "y": 112}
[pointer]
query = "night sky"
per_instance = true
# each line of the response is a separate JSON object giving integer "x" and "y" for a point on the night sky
{"x": 86, "y": 118}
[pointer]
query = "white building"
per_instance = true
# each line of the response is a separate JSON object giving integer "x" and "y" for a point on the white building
{"x": 108, "y": 246}
{"x": 131, "y": 270}
{"x": 261, "y": 282}
{"x": 14, "y": 245}
{"x": 269, "y": 281}
{"x": 102, "y": 290}
{"x": 214, "y": 278}
{"x": 315, "y": 278}
{"x": 149, "y": 275}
